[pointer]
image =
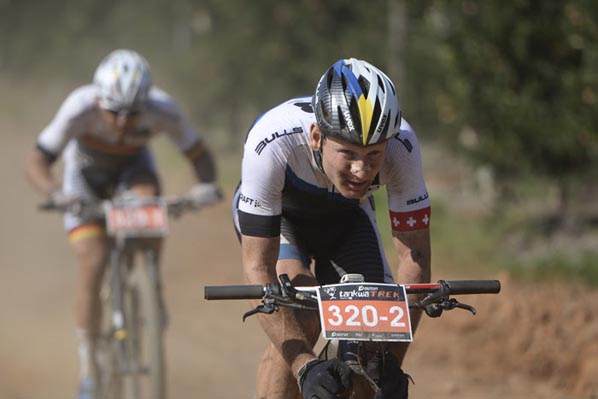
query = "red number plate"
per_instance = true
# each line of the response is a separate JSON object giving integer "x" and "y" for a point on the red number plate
{"x": 148, "y": 220}
{"x": 365, "y": 312}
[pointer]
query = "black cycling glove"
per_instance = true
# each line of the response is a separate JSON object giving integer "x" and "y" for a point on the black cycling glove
{"x": 324, "y": 379}
{"x": 394, "y": 383}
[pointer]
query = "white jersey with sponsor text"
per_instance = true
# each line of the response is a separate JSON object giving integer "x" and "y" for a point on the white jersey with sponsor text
{"x": 280, "y": 174}
{"x": 80, "y": 118}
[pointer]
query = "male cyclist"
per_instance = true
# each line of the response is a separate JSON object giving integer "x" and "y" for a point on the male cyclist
{"x": 102, "y": 130}
{"x": 309, "y": 169}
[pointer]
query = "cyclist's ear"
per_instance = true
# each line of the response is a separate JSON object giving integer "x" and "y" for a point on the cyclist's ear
{"x": 315, "y": 137}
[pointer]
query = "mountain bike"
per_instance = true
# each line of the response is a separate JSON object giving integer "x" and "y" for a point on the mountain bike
{"x": 359, "y": 320}
{"x": 130, "y": 351}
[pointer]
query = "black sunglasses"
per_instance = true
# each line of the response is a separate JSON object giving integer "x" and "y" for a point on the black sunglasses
{"x": 128, "y": 113}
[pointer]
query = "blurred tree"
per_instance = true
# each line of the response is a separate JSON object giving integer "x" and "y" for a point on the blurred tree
{"x": 523, "y": 76}
{"x": 226, "y": 60}
{"x": 264, "y": 52}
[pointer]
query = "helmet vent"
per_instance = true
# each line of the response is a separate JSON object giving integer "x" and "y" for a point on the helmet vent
{"x": 392, "y": 86}
{"x": 365, "y": 85}
{"x": 376, "y": 117}
{"x": 341, "y": 119}
{"x": 381, "y": 84}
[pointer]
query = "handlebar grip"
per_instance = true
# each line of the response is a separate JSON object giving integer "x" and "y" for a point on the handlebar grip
{"x": 234, "y": 292}
{"x": 460, "y": 287}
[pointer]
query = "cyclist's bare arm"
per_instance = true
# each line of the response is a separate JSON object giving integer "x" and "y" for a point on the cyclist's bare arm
{"x": 38, "y": 172}
{"x": 259, "y": 264}
{"x": 413, "y": 249}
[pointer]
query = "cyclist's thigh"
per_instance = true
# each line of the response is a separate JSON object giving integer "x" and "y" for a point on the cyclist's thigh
{"x": 91, "y": 173}
{"x": 75, "y": 183}
{"x": 90, "y": 245}
{"x": 357, "y": 249}
{"x": 141, "y": 176}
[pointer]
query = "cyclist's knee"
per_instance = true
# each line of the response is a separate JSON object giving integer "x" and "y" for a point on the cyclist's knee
{"x": 145, "y": 189}
{"x": 91, "y": 251}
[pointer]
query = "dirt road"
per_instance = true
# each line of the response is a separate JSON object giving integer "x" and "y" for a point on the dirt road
{"x": 211, "y": 353}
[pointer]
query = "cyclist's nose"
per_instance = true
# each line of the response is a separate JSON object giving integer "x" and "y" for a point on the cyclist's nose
{"x": 121, "y": 120}
{"x": 360, "y": 169}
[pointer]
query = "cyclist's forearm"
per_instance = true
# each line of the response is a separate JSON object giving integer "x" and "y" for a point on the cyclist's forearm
{"x": 287, "y": 328}
{"x": 38, "y": 172}
{"x": 286, "y": 331}
{"x": 203, "y": 165}
{"x": 413, "y": 249}
{"x": 414, "y": 253}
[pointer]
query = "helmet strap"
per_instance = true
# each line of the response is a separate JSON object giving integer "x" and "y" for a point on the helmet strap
{"x": 319, "y": 155}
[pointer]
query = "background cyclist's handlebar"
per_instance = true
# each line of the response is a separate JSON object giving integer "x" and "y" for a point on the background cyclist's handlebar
{"x": 176, "y": 205}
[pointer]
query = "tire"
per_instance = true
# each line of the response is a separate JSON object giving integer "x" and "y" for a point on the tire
{"x": 133, "y": 367}
{"x": 107, "y": 349}
{"x": 146, "y": 377}
{"x": 361, "y": 387}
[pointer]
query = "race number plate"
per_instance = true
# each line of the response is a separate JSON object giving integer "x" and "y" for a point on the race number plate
{"x": 365, "y": 312}
{"x": 137, "y": 221}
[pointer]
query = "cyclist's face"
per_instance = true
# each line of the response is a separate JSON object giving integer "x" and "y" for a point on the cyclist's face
{"x": 349, "y": 167}
{"x": 121, "y": 122}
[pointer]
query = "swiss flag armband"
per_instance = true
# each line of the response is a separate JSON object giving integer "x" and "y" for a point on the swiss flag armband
{"x": 408, "y": 221}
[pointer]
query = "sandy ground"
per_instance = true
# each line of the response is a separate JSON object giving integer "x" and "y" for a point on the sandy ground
{"x": 505, "y": 352}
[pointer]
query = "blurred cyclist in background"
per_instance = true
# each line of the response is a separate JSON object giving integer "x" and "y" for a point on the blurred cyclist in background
{"x": 310, "y": 166}
{"x": 102, "y": 130}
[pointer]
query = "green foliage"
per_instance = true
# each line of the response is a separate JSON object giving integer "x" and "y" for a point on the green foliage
{"x": 462, "y": 245}
{"x": 226, "y": 61}
{"x": 524, "y": 76}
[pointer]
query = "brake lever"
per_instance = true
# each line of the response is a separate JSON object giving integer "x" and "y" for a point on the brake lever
{"x": 267, "y": 307}
{"x": 466, "y": 307}
{"x": 436, "y": 309}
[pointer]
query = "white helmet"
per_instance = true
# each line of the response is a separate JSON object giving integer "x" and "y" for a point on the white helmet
{"x": 123, "y": 80}
{"x": 357, "y": 103}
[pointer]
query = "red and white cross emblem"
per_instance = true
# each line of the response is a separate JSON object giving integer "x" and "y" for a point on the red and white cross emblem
{"x": 414, "y": 220}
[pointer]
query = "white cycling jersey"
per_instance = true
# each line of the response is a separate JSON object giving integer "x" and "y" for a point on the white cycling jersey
{"x": 97, "y": 160}
{"x": 280, "y": 174}
{"x": 80, "y": 118}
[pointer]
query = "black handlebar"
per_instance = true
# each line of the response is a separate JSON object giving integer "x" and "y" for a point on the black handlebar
{"x": 464, "y": 287}
{"x": 273, "y": 296}
{"x": 235, "y": 292}
{"x": 455, "y": 287}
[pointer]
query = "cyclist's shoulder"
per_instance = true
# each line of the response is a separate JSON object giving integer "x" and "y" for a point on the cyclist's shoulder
{"x": 161, "y": 104}
{"x": 81, "y": 99}
{"x": 286, "y": 119}
{"x": 405, "y": 142}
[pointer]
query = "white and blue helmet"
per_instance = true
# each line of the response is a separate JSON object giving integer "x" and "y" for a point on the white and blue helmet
{"x": 123, "y": 80}
{"x": 357, "y": 103}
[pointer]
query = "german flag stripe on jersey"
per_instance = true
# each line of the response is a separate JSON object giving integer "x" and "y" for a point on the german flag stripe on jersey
{"x": 408, "y": 221}
{"x": 85, "y": 231}
{"x": 114, "y": 149}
